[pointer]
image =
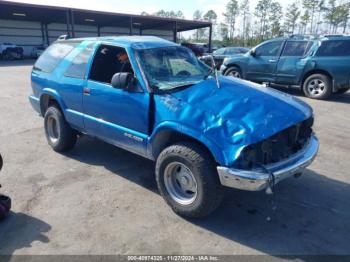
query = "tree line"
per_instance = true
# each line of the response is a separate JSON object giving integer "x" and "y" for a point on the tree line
{"x": 269, "y": 20}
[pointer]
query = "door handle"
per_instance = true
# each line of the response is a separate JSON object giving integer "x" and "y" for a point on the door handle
{"x": 272, "y": 61}
{"x": 87, "y": 91}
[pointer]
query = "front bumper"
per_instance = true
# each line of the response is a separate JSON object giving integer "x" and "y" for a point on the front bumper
{"x": 258, "y": 179}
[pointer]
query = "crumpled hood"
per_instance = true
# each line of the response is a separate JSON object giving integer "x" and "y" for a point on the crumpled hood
{"x": 237, "y": 114}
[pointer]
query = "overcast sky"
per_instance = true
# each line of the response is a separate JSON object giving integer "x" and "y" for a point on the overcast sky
{"x": 137, "y": 6}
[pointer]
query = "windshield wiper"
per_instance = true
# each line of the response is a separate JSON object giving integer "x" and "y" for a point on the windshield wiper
{"x": 212, "y": 69}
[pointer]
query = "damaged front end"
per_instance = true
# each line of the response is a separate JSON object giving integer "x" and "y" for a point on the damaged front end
{"x": 257, "y": 135}
{"x": 261, "y": 165}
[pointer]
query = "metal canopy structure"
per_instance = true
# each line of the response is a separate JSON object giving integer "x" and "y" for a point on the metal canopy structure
{"x": 136, "y": 24}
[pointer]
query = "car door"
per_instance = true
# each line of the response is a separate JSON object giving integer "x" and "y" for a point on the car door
{"x": 262, "y": 62}
{"x": 292, "y": 61}
{"x": 117, "y": 116}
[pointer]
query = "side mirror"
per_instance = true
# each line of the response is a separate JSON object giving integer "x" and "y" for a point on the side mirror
{"x": 122, "y": 80}
{"x": 253, "y": 52}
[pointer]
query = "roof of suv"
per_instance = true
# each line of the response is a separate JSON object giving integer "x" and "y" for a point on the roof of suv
{"x": 312, "y": 37}
{"x": 135, "y": 42}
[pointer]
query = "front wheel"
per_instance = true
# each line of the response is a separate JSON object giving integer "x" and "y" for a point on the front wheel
{"x": 317, "y": 86}
{"x": 60, "y": 136}
{"x": 234, "y": 72}
{"x": 188, "y": 181}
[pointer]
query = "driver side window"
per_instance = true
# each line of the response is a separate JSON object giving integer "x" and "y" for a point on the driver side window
{"x": 108, "y": 61}
{"x": 269, "y": 49}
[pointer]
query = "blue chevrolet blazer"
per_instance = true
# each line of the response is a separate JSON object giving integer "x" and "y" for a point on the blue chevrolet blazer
{"x": 156, "y": 99}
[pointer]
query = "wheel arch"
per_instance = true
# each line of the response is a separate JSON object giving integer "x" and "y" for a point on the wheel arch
{"x": 166, "y": 136}
{"x": 229, "y": 66}
{"x": 316, "y": 71}
{"x": 49, "y": 97}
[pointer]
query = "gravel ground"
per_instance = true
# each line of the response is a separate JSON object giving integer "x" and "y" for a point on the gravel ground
{"x": 98, "y": 199}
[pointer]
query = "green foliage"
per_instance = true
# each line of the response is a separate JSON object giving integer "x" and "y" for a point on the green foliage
{"x": 169, "y": 14}
{"x": 269, "y": 20}
{"x": 232, "y": 11}
{"x": 337, "y": 15}
{"x": 292, "y": 15}
{"x": 245, "y": 12}
{"x": 210, "y": 16}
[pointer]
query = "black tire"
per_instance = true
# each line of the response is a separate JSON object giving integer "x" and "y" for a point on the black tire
{"x": 322, "y": 84}
{"x": 5, "y": 206}
{"x": 209, "y": 190}
{"x": 234, "y": 71}
{"x": 65, "y": 137}
{"x": 342, "y": 91}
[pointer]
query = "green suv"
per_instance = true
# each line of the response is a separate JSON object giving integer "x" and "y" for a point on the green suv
{"x": 319, "y": 66}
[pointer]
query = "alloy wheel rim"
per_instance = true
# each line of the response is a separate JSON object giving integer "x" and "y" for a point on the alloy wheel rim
{"x": 180, "y": 183}
{"x": 53, "y": 129}
{"x": 316, "y": 87}
{"x": 235, "y": 74}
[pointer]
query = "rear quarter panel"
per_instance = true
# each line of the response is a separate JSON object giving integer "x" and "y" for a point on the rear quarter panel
{"x": 67, "y": 91}
{"x": 337, "y": 67}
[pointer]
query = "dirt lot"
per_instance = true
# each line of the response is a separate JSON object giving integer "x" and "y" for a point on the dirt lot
{"x": 99, "y": 199}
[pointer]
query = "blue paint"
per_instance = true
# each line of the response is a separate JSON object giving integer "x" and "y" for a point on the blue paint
{"x": 237, "y": 114}
{"x": 224, "y": 119}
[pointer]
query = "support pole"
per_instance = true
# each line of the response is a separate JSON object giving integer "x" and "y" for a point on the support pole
{"x": 131, "y": 24}
{"x": 175, "y": 31}
{"x": 210, "y": 37}
{"x": 42, "y": 33}
{"x": 72, "y": 20}
{"x": 47, "y": 34}
{"x": 140, "y": 31}
{"x": 68, "y": 23}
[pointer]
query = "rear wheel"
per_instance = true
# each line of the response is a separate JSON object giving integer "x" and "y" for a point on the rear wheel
{"x": 317, "y": 86}
{"x": 188, "y": 181}
{"x": 60, "y": 136}
{"x": 234, "y": 71}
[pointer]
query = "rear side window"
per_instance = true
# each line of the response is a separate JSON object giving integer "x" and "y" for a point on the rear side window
{"x": 296, "y": 48}
{"x": 334, "y": 48}
{"x": 53, "y": 55}
{"x": 78, "y": 67}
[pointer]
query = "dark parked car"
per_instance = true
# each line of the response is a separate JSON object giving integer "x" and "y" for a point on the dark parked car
{"x": 318, "y": 66}
{"x": 225, "y": 52}
{"x": 198, "y": 50}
